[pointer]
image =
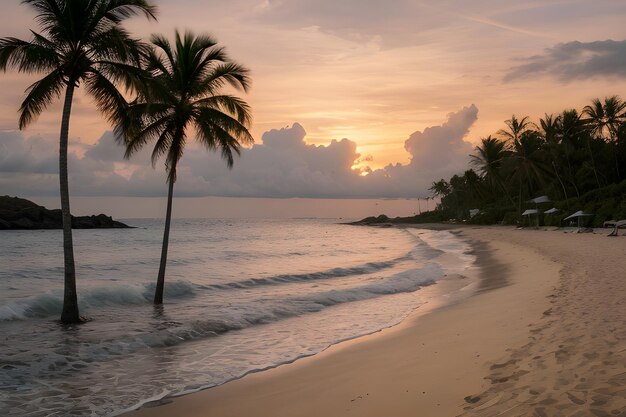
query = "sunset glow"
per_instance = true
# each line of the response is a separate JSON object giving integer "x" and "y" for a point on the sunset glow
{"x": 375, "y": 75}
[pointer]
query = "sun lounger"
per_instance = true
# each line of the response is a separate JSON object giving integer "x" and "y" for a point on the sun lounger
{"x": 618, "y": 224}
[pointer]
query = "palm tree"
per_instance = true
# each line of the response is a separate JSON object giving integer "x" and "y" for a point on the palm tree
{"x": 570, "y": 131}
{"x": 550, "y": 128}
{"x": 440, "y": 188}
{"x": 605, "y": 118}
{"x": 516, "y": 127}
{"x": 488, "y": 159}
{"x": 528, "y": 163}
{"x": 185, "y": 97}
{"x": 80, "y": 43}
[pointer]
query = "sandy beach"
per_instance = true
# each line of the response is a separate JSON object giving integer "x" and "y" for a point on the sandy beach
{"x": 551, "y": 341}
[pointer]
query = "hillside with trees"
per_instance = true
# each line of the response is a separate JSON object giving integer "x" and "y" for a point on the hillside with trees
{"x": 576, "y": 158}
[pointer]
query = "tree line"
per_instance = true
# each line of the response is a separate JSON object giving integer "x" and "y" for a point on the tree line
{"x": 577, "y": 158}
{"x": 157, "y": 92}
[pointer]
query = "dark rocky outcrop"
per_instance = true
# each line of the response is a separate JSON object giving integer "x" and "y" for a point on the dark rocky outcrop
{"x": 18, "y": 213}
{"x": 370, "y": 221}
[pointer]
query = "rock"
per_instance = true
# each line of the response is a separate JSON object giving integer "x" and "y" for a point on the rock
{"x": 4, "y": 225}
{"x": 472, "y": 399}
{"x": 19, "y": 213}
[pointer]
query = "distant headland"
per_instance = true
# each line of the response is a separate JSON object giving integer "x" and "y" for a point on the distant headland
{"x": 21, "y": 214}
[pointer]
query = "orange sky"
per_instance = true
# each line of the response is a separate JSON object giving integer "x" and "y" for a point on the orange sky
{"x": 370, "y": 71}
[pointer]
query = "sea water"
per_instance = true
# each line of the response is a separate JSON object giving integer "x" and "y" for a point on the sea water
{"x": 240, "y": 296}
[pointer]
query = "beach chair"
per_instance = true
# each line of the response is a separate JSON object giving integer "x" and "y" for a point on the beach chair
{"x": 617, "y": 225}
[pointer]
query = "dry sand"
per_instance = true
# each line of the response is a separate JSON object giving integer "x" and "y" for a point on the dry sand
{"x": 552, "y": 342}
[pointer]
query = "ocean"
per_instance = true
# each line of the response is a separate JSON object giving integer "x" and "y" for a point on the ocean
{"x": 240, "y": 296}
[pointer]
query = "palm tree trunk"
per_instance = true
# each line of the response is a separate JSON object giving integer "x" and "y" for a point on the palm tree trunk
{"x": 70, "y": 312}
{"x": 556, "y": 172}
{"x": 593, "y": 162}
{"x": 520, "y": 196}
{"x": 506, "y": 192}
{"x": 158, "y": 294}
{"x": 615, "y": 153}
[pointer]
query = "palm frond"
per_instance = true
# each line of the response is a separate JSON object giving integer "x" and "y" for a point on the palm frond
{"x": 129, "y": 77}
{"x": 119, "y": 10}
{"x": 27, "y": 56}
{"x": 230, "y": 73}
{"x": 230, "y": 125}
{"x": 233, "y": 105}
{"x": 39, "y": 96}
{"x": 108, "y": 98}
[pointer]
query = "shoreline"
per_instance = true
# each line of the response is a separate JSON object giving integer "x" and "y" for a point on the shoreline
{"x": 279, "y": 391}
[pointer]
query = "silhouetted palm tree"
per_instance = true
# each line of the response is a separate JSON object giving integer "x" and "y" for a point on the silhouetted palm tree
{"x": 81, "y": 43}
{"x": 550, "y": 128}
{"x": 528, "y": 163}
{"x": 488, "y": 159}
{"x": 185, "y": 97}
{"x": 570, "y": 131}
{"x": 516, "y": 127}
{"x": 440, "y": 188}
{"x": 604, "y": 120}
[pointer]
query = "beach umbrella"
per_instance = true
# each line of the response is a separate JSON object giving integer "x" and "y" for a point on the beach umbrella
{"x": 541, "y": 199}
{"x": 530, "y": 212}
{"x": 537, "y": 201}
{"x": 552, "y": 210}
{"x": 578, "y": 215}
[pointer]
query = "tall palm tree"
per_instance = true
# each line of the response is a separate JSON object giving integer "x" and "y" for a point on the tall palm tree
{"x": 550, "y": 131}
{"x": 516, "y": 127}
{"x": 186, "y": 97}
{"x": 80, "y": 43}
{"x": 488, "y": 159}
{"x": 528, "y": 163}
{"x": 605, "y": 119}
{"x": 570, "y": 131}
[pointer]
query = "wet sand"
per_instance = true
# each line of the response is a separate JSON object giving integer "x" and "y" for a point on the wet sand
{"x": 544, "y": 335}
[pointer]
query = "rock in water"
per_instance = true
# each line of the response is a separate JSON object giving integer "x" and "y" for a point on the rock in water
{"x": 18, "y": 213}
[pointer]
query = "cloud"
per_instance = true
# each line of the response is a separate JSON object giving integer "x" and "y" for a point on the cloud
{"x": 576, "y": 60}
{"x": 283, "y": 165}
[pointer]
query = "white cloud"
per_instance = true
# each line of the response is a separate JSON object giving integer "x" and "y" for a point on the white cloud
{"x": 284, "y": 165}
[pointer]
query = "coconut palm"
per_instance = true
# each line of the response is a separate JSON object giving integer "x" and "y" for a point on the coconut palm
{"x": 186, "y": 97}
{"x": 550, "y": 132}
{"x": 571, "y": 128}
{"x": 80, "y": 43}
{"x": 440, "y": 188}
{"x": 488, "y": 159}
{"x": 527, "y": 163}
{"x": 604, "y": 120}
{"x": 516, "y": 127}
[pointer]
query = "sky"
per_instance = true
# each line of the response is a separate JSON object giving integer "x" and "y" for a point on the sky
{"x": 357, "y": 99}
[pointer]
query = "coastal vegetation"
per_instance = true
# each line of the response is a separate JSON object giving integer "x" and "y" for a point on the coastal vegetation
{"x": 186, "y": 94}
{"x": 577, "y": 159}
{"x": 80, "y": 44}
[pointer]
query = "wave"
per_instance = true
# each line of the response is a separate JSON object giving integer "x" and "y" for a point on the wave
{"x": 367, "y": 268}
{"x": 264, "y": 311}
{"x": 51, "y": 304}
{"x": 259, "y": 312}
